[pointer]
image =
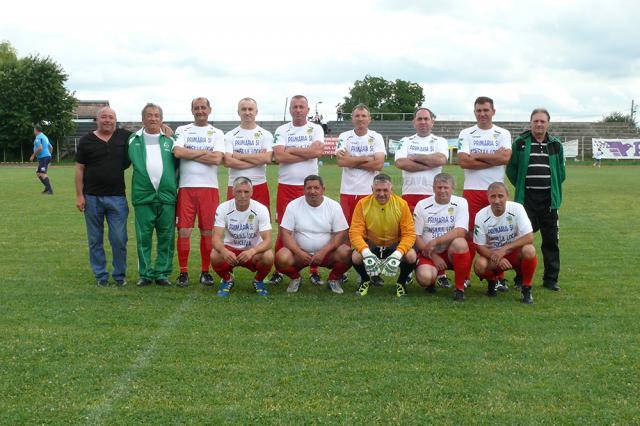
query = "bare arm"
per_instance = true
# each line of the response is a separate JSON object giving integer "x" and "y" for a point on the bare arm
{"x": 499, "y": 158}
{"x": 284, "y": 156}
{"x": 410, "y": 165}
{"x": 199, "y": 155}
{"x": 234, "y": 163}
{"x": 80, "y": 186}
{"x": 314, "y": 150}
{"x": 336, "y": 240}
{"x": 256, "y": 159}
{"x": 466, "y": 161}
{"x": 436, "y": 159}
{"x": 446, "y": 238}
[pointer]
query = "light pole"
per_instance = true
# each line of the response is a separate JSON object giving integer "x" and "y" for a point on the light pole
{"x": 319, "y": 102}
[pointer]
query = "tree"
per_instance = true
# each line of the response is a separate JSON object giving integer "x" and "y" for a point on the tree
{"x": 618, "y": 117}
{"x": 381, "y": 95}
{"x": 7, "y": 53}
{"x": 32, "y": 92}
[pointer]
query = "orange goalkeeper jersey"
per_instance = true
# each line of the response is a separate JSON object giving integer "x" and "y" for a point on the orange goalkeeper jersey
{"x": 382, "y": 224}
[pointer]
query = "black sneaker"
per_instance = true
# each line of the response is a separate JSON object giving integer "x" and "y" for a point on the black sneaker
{"x": 344, "y": 279}
{"x": 526, "y": 295}
{"x": 121, "y": 283}
{"x": 517, "y": 282}
{"x": 551, "y": 286}
{"x": 102, "y": 283}
{"x": 501, "y": 285}
{"x": 206, "y": 279}
{"x": 443, "y": 282}
{"x": 276, "y": 278}
{"x": 163, "y": 282}
{"x": 430, "y": 289}
{"x": 377, "y": 281}
{"x": 183, "y": 279}
{"x": 491, "y": 289}
{"x": 143, "y": 282}
{"x": 458, "y": 296}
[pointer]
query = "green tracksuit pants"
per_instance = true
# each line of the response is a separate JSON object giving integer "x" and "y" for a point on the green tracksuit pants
{"x": 162, "y": 218}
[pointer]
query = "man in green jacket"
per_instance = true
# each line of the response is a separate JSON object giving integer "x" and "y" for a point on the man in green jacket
{"x": 153, "y": 195}
{"x": 537, "y": 170}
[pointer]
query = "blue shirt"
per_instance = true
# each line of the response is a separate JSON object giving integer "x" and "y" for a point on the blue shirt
{"x": 42, "y": 141}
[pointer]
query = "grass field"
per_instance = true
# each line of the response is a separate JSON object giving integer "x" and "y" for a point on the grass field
{"x": 74, "y": 353}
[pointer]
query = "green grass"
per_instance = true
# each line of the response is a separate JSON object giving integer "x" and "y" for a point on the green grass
{"x": 74, "y": 353}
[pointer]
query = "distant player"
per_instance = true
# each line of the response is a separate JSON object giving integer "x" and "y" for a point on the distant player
{"x": 441, "y": 226}
{"x": 242, "y": 237}
{"x": 248, "y": 150}
{"x": 42, "y": 152}
{"x": 420, "y": 157}
{"x": 504, "y": 239}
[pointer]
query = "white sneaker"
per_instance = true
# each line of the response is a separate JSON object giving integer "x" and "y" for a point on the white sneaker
{"x": 467, "y": 283}
{"x": 335, "y": 286}
{"x": 294, "y": 285}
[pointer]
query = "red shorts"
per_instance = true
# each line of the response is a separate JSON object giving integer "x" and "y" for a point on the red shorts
{"x": 202, "y": 202}
{"x": 260, "y": 194}
{"x": 413, "y": 199}
{"x": 348, "y": 203}
{"x": 477, "y": 200}
{"x": 250, "y": 266}
{"x": 286, "y": 194}
{"x": 426, "y": 261}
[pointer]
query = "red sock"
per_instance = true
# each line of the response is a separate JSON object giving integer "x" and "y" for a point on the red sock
{"x": 528, "y": 268}
{"x": 338, "y": 270}
{"x": 206, "y": 245}
{"x": 277, "y": 247}
{"x": 291, "y": 272}
{"x": 313, "y": 269}
{"x": 472, "y": 255}
{"x": 183, "y": 246}
{"x": 223, "y": 270}
{"x": 262, "y": 271}
{"x": 462, "y": 268}
{"x": 489, "y": 275}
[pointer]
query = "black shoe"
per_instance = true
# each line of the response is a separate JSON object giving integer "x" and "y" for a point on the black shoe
{"x": 458, "y": 295}
{"x": 183, "y": 279}
{"x": 121, "y": 283}
{"x": 526, "y": 295}
{"x": 344, "y": 279}
{"x": 276, "y": 278}
{"x": 491, "y": 289}
{"x": 501, "y": 285}
{"x": 517, "y": 282}
{"x": 443, "y": 282}
{"x": 103, "y": 283}
{"x": 377, "y": 281}
{"x": 551, "y": 286}
{"x": 206, "y": 279}
{"x": 163, "y": 282}
{"x": 430, "y": 289}
{"x": 143, "y": 282}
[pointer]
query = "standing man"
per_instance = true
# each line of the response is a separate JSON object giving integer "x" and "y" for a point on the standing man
{"x": 153, "y": 195}
{"x": 42, "y": 150}
{"x": 200, "y": 147}
{"x": 597, "y": 156}
{"x": 297, "y": 147}
{"x": 242, "y": 237}
{"x": 101, "y": 159}
{"x": 248, "y": 149}
{"x": 441, "y": 227}
{"x": 504, "y": 239}
{"x": 483, "y": 150}
{"x": 313, "y": 232}
{"x": 537, "y": 170}
{"x": 420, "y": 157}
{"x": 360, "y": 152}
{"x": 382, "y": 235}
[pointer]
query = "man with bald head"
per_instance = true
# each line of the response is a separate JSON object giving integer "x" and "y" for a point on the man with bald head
{"x": 101, "y": 159}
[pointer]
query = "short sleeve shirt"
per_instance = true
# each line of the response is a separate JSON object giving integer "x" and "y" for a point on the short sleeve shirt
{"x": 242, "y": 228}
{"x": 475, "y": 140}
{"x": 248, "y": 141}
{"x": 288, "y": 135}
{"x": 358, "y": 181}
{"x": 192, "y": 173}
{"x": 432, "y": 220}
{"x": 421, "y": 182}
{"x": 496, "y": 231}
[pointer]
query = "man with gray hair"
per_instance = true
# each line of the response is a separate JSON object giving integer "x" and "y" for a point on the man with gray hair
{"x": 153, "y": 195}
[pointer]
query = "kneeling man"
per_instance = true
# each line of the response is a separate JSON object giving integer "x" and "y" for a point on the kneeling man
{"x": 242, "y": 237}
{"x": 441, "y": 223}
{"x": 504, "y": 238}
{"x": 313, "y": 229}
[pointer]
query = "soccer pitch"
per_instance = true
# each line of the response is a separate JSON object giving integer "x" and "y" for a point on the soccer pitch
{"x": 75, "y": 353}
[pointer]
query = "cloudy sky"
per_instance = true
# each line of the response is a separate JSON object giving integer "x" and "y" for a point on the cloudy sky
{"x": 580, "y": 59}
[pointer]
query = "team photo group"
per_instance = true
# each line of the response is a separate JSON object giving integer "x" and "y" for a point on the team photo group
{"x": 413, "y": 231}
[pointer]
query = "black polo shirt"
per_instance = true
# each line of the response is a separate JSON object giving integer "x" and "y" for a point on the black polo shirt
{"x": 104, "y": 163}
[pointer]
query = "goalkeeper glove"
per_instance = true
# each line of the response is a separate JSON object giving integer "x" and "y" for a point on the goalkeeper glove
{"x": 391, "y": 264}
{"x": 371, "y": 263}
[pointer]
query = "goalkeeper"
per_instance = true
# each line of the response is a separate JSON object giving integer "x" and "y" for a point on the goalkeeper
{"x": 382, "y": 235}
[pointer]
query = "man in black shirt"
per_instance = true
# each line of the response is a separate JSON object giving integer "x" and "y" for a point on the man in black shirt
{"x": 101, "y": 159}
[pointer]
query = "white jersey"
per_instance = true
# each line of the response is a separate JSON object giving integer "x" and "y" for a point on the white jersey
{"x": 242, "y": 229}
{"x": 312, "y": 226}
{"x": 358, "y": 181}
{"x": 474, "y": 140}
{"x": 432, "y": 220}
{"x": 248, "y": 141}
{"x": 495, "y": 232}
{"x": 192, "y": 173}
{"x": 421, "y": 182}
{"x": 288, "y": 135}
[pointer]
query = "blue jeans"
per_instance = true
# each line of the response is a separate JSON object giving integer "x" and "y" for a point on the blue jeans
{"x": 116, "y": 210}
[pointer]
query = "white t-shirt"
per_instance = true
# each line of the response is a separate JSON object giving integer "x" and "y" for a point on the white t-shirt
{"x": 248, "y": 141}
{"x": 432, "y": 220}
{"x": 192, "y": 173}
{"x": 421, "y": 182}
{"x": 242, "y": 229}
{"x": 474, "y": 140}
{"x": 288, "y": 135}
{"x": 495, "y": 232}
{"x": 154, "y": 158}
{"x": 312, "y": 226}
{"x": 358, "y": 181}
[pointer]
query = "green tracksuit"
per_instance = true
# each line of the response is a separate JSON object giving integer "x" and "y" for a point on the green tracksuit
{"x": 154, "y": 209}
